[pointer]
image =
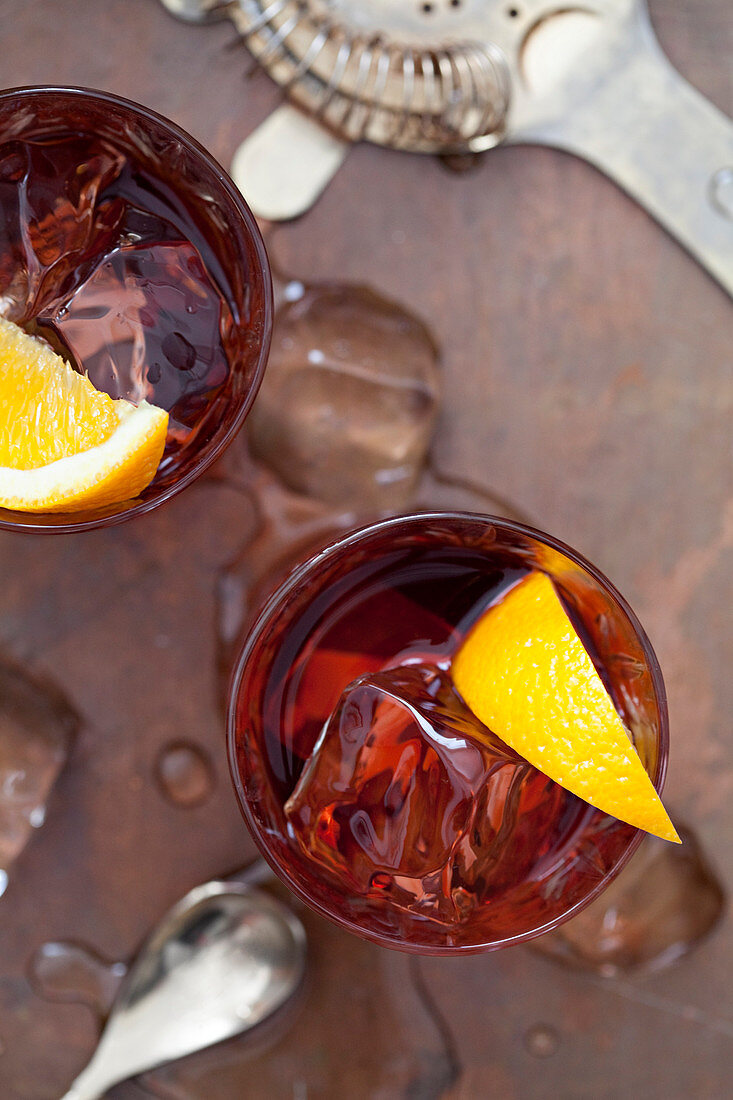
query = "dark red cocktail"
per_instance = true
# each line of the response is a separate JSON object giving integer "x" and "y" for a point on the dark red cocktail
{"x": 130, "y": 251}
{"x": 355, "y": 759}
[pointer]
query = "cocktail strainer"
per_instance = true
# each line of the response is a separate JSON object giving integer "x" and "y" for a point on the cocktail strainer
{"x": 451, "y": 75}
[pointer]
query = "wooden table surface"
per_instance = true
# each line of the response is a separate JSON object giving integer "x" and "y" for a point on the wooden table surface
{"x": 587, "y": 364}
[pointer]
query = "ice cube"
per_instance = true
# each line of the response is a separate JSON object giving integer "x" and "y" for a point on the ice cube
{"x": 146, "y": 323}
{"x": 36, "y": 730}
{"x": 54, "y": 222}
{"x": 406, "y": 797}
{"x": 348, "y": 405}
{"x": 662, "y": 904}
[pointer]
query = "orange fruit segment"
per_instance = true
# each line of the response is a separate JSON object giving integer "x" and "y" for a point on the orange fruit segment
{"x": 526, "y": 674}
{"x": 64, "y": 445}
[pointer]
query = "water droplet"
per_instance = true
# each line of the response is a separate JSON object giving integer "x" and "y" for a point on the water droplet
{"x": 184, "y": 774}
{"x": 73, "y": 973}
{"x": 721, "y": 192}
{"x": 3, "y": 881}
{"x": 293, "y": 291}
{"x": 37, "y": 816}
{"x": 542, "y": 1041}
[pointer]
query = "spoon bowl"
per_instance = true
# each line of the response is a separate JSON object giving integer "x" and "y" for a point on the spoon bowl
{"x": 222, "y": 960}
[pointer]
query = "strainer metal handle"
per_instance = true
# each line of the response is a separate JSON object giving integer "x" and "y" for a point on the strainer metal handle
{"x": 284, "y": 165}
{"x": 644, "y": 126}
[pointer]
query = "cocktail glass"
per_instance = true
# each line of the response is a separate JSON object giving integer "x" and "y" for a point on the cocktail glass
{"x": 393, "y": 601}
{"x": 127, "y": 247}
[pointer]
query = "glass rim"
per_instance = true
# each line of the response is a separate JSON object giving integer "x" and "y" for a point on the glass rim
{"x": 30, "y": 524}
{"x": 294, "y": 581}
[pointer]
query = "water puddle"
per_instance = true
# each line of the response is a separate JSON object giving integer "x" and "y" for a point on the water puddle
{"x": 70, "y": 972}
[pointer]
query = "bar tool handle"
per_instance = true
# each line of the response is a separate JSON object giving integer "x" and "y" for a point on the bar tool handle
{"x": 89, "y": 1085}
{"x": 644, "y": 126}
{"x": 102, "y": 1071}
{"x": 285, "y": 164}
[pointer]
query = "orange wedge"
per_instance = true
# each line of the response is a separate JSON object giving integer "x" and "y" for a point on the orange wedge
{"x": 64, "y": 446}
{"x": 525, "y": 674}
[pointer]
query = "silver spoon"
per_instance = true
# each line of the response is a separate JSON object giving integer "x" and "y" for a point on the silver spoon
{"x": 221, "y": 960}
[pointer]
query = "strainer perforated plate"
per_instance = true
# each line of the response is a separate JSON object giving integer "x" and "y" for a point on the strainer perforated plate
{"x": 409, "y": 89}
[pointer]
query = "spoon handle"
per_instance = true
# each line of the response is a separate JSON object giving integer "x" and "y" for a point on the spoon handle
{"x": 90, "y": 1084}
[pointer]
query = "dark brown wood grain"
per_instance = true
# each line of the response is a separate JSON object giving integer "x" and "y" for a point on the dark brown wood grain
{"x": 588, "y": 375}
